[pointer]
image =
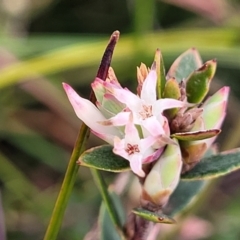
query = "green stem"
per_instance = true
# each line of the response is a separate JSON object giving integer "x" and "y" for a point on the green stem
{"x": 107, "y": 199}
{"x": 67, "y": 185}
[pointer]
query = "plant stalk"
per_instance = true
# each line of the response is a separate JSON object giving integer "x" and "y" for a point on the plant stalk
{"x": 67, "y": 185}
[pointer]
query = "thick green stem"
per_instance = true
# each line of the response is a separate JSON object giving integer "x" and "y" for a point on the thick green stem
{"x": 67, "y": 185}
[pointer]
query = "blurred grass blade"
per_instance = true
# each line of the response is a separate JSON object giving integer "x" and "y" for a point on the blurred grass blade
{"x": 39, "y": 148}
{"x": 82, "y": 55}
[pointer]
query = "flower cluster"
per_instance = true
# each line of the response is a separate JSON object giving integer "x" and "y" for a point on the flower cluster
{"x": 143, "y": 128}
{"x": 133, "y": 124}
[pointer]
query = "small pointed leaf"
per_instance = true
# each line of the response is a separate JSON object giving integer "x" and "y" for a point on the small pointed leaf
{"x": 103, "y": 158}
{"x": 185, "y": 64}
{"x": 161, "y": 79}
{"x": 215, "y": 166}
{"x": 152, "y": 216}
{"x": 198, "y": 135}
{"x": 197, "y": 84}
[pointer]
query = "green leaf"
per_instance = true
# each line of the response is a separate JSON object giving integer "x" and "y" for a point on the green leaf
{"x": 215, "y": 166}
{"x": 197, "y": 84}
{"x": 185, "y": 64}
{"x": 108, "y": 230}
{"x": 171, "y": 90}
{"x": 103, "y": 158}
{"x": 152, "y": 216}
{"x": 161, "y": 79}
{"x": 198, "y": 135}
{"x": 184, "y": 195}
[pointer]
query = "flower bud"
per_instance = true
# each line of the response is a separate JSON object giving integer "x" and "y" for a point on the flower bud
{"x": 164, "y": 176}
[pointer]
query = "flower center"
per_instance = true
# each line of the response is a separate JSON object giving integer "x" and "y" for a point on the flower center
{"x": 146, "y": 112}
{"x": 131, "y": 149}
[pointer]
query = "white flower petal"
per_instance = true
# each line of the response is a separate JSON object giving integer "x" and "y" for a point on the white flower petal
{"x": 148, "y": 93}
{"x": 88, "y": 112}
{"x": 136, "y": 164}
{"x": 167, "y": 103}
{"x": 131, "y": 100}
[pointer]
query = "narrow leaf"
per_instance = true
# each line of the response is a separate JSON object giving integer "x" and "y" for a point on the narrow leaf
{"x": 184, "y": 196}
{"x": 103, "y": 158}
{"x": 198, "y": 135}
{"x": 197, "y": 84}
{"x": 161, "y": 79}
{"x": 153, "y": 216}
{"x": 185, "y": 64}
{"x": 107, "y": 229}
{"x": 215, "y": 166}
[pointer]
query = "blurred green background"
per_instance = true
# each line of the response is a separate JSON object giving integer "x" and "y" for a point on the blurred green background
{"x": 43, "y": 43}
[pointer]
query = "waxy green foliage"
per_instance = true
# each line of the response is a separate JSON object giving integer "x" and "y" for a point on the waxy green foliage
{"x": 171, "y": 90}
{"x": 103, "y": 158}
{"x": 198, "y": 135}
{"x": 156, "y": 217}
{"x": 184, "y": 196}
{"x": 215, "y": 166}
{"x": 197, "y": 84}
{"x": 161, "y": 78}
{"x": 184, "y": 65}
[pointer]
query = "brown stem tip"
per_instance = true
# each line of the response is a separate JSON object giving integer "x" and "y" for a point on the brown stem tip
{"x": 107, "y": 56}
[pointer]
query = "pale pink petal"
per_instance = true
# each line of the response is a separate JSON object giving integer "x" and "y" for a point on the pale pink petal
{"x": 146, "y": 144}
{"x": 136, "y": 164}
{"x": 131, "y": 100}
{"x": 148, "y": 93}
{"x": 155, "y": 155}
{"x": 119, "y": 147}
{"x": 120, "y": 119}
{"x": 153, "y": 126}
{"x": 88, "y": 112}
{"x": 109, "y": 138}
{"x": 167, "y": 103}
{"x": 131, "y": 132}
